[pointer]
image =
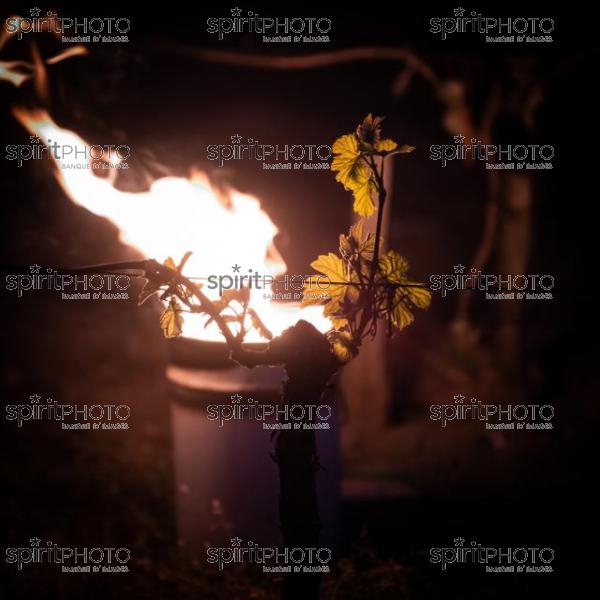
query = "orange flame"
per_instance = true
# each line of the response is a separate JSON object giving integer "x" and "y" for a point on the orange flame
{"x": 176, "y": 215}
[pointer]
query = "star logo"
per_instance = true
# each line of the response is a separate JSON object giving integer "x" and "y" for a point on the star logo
{"x": 35, "y": 12}
{"x": 459, "y": 12}
{"x": 35, "y": 398}
{"x": 35, "y": 268}
{"x": 236, "y": 542}
{"x": 35, "y": 541}
{"x": 459, "y": 398}
{"x": 459, "y": 139}
{"x": 236, "y": 12}
{"x": 236, "y": 268}
{"x": 459, "y": 268}
{"x": 459, "y": 541}
{"x": 34, "y": 139}
{"x": 236, "y": 398}
{"x": 236, "y": 139}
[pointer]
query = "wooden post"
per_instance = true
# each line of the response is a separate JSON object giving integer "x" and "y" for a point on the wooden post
{"x": 364, "y": 381}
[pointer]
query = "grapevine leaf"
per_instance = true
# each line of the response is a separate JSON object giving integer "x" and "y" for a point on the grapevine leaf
{"x": 369, "y": 131}
{"x": 333, "y": 267}
{"x": 353, "y": 173}
{"x": 386, "y": 145}
{"x": 393, "y": 266}
{"x": 171, "y": 320}
{"x": 347, "y": 160}
{"x": 363, "y": 190}
{"x": 354, "y": 246}
{"x": 401, "y": 315}
{"x": 419, "y": 296}
{"x": 405, "y": 149}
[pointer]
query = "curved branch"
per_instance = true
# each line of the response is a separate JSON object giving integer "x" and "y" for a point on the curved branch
{"x": 307, "y": 61}
{"x": 168, "y": 275}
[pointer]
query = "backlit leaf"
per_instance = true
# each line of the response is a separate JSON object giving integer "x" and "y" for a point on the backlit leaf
{"x": 386, "y": 145}
{"x": 346, "y": 161}
{"x": 369, "y": 131}
{"x": 353, "y": 173}
{"x": 333, "y": 267}
{"x": 420, "y": 296}
{"x": 393, "y": 266}
{"x": 355, "y": 246}
{"x": 405, "y": 149}
{"x": 402, "y": 316}
{"x": 171, "y": 320}
{"x": 363, "y": 190}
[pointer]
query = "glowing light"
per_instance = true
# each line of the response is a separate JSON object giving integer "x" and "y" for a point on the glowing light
{"x": 176, "y": 215}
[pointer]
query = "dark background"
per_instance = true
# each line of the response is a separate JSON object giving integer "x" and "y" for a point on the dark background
{"x": 118, "y": 488}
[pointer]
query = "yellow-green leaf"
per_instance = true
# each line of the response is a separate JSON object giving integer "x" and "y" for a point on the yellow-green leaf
{"x": 171, "y": 320}
{"x": 333, "y": 267}
{"x": 313, "y": 293}
{"x": 346, "y": 161}
{"x": 386, "y": 145}
{"x": 353, "y": 173}
{"x": 419, "y": 296}
{"x": 401, "y": 315}
{"x": 393, "y": 266}
{"x": 363, "y": 190}
{"x": 405, "y": 149}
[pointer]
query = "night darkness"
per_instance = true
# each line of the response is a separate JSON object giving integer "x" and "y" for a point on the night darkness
{"x": 394, "y": 483}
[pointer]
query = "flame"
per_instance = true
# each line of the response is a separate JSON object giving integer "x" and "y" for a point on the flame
{"x": 18, "y": 72}
{"x": 176, "y": 215}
